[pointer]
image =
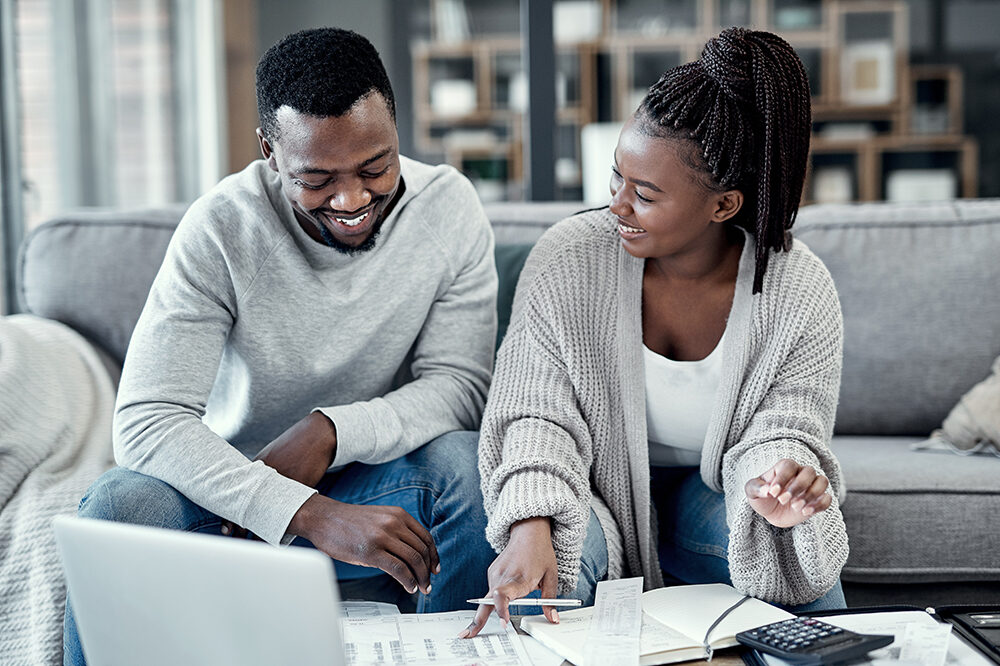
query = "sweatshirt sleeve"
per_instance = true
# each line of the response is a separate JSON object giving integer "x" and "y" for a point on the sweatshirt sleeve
{"x": 535, "y": 449}
{"x": 794, "y": 420}
{"x": 453, "y": 355}
{"x": 168, "y": 375}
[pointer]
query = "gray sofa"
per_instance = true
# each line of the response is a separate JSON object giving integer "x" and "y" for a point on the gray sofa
{"x": 920, "y": 292}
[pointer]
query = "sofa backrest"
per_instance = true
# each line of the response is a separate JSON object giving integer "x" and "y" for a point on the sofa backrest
{"x": 92, "y": 269}
{"x": 919, "y": 287}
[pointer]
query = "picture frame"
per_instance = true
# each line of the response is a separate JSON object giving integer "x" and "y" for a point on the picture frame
{"x": 868, "y": 75}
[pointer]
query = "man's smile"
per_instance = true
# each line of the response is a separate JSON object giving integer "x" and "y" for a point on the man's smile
{"x": 353, "y": 224}
{"x": 353, "y": 221}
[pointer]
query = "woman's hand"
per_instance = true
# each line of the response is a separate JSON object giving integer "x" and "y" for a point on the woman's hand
{"x": 528, "y": 563}
{"x": 788, "y": 493}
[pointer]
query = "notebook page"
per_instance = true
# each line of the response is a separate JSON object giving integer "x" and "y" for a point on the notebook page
{"x": 691, "y": 610}
{"x": 569, "y": 637}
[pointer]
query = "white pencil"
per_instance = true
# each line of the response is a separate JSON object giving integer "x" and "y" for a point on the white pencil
{"x": 561, "y": 603}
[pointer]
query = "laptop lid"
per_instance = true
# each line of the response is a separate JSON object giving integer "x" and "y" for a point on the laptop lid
{"x": 143, "y": 595}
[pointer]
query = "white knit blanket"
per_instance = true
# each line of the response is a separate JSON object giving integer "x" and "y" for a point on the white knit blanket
{"x": 56, "y": 404}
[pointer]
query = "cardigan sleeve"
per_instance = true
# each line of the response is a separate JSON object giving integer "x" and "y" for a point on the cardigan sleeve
{"x": 793, "y": 420}
{"x": 535, "y": 449}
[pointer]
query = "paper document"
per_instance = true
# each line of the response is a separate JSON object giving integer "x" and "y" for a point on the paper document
{"x": 367, "y": 609}
{"x": 615, "y": 624}
{"x": 920, "y": 640}
{"x": 430, "y": 639}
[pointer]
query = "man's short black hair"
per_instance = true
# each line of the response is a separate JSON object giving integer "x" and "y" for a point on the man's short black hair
{"x": 321, "y": 72}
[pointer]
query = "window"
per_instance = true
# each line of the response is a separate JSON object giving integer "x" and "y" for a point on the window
{"x": 97, "y": 119}
{"x": 116, "y": 103}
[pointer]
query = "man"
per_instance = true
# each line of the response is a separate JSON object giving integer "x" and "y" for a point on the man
{"x": 330, "y": 312}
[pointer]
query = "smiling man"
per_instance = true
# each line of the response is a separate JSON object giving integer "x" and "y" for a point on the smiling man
{"x": 318, "y": 344}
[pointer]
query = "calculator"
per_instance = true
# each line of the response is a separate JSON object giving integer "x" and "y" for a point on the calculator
{"x": 806, "y": 640}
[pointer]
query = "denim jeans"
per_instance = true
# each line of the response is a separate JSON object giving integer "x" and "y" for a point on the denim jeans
{"x": 693, "y": 537}
{"x": 438, "y": 484}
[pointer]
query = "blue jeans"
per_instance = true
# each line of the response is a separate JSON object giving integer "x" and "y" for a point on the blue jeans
{"x": 693, "y": 536}
{"x": 438, "y": 484}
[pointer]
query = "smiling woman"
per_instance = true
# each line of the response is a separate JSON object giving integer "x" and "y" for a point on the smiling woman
{"x": 674, "y": 359}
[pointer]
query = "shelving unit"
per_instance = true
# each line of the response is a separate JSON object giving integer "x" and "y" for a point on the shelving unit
{"x": 874, "y": 115}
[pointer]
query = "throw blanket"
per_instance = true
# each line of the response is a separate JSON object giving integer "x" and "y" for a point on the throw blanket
{"x": 56, "y": 404}
{"x": 973, "y": 425}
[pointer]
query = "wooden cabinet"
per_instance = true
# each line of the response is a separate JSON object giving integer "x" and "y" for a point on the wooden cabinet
{"x": 882, "y": 127}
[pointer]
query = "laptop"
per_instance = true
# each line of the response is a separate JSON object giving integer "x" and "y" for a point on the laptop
{"x": 143, "y": 595}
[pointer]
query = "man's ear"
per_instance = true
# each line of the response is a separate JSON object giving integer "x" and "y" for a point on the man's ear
{"x": 727, "y": 205}
{"x": 266, "y": 150}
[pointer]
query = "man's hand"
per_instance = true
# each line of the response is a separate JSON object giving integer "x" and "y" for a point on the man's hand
{"x": 385, "y": 537}
{"x": 788, "y": 493}
{"x": 303, "y": 452}
{"x": 528, "y": 563}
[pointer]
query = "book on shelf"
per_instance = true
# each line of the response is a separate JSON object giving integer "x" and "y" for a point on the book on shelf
{"x": 675, "y": 624}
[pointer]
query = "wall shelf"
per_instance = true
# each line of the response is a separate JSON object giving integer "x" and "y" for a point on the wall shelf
{"x": 856, "y": 53}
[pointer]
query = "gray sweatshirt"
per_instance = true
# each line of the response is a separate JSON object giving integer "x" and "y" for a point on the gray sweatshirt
{"x": 251, "y": 324}
{"x": 566, "y": 418}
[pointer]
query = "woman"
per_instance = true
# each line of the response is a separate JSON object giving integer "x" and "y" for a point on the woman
{"x": 674, "y": 360}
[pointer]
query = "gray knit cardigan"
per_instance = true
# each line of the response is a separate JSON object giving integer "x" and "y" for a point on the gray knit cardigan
{"x": 565, "y": 423}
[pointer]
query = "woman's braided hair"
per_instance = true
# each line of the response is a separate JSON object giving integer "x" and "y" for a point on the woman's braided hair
{"x": 745, "y": 102}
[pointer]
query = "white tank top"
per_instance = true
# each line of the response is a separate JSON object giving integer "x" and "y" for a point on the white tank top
{"x": 680, "y": 397}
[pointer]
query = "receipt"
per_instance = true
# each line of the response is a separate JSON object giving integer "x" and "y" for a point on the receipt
{"x": 616, "y": 623}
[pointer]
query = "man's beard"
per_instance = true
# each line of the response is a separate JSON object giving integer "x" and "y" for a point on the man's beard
{"x": 366, "y": 245}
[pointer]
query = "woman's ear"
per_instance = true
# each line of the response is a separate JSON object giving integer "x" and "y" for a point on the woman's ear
{"x": 266, "y": 151}
{"x": 727, "y": 205}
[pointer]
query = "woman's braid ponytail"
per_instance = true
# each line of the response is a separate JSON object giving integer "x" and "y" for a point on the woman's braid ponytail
{"x": 746, "y": 103}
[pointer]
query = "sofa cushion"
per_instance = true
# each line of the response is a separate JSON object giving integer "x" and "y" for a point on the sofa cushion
{"x": 510, "y": 260}
{"x": 519, "y": 223}
{"x": 92, "y": 270}
{"x": 918, "y": 286}
{"x": 918, "y": 516}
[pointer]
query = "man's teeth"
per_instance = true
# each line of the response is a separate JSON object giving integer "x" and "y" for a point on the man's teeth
{"x": 629, "y": 230}
{"x": 353, "y": 222}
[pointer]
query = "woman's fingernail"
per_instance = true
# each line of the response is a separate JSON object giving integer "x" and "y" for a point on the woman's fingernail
{"x": 428, "y": 589}
{"x": 808, "y": 511}
{"x": 464, "y": 633}
{"x": 555, "y": 616}
{"x": 798, "y": 504}
{"x": 784, "y": 497}
{"x": 437, "y": 569}
{"x": 225, "y": 530}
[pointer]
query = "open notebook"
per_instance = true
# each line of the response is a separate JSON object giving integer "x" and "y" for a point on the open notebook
{"x": 674, "y": 623}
